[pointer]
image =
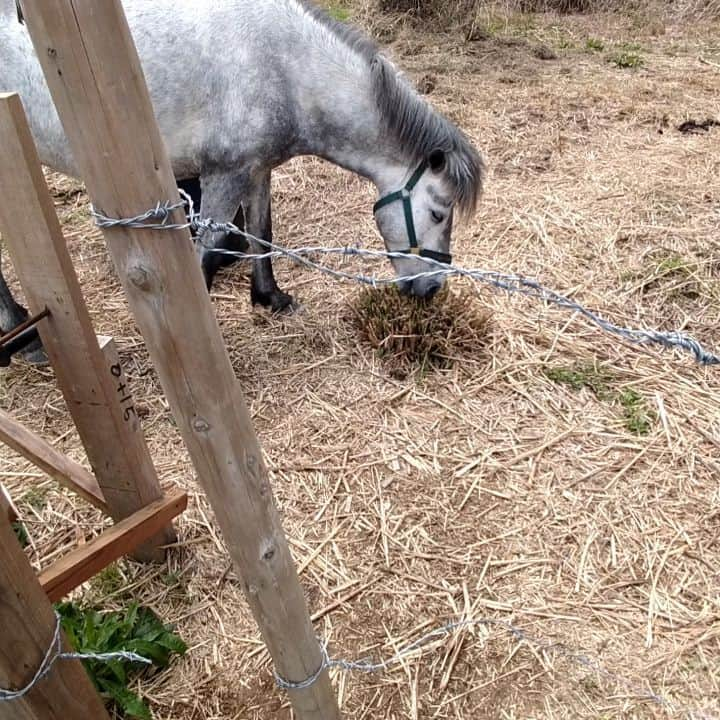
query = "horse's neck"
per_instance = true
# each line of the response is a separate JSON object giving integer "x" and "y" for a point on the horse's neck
{"x": 339, "y": 120}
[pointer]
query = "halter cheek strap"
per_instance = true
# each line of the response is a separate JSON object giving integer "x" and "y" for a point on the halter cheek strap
{"x": 405, "y": 195}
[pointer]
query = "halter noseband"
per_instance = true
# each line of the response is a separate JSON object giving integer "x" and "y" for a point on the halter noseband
{"x": 406, "y": 196}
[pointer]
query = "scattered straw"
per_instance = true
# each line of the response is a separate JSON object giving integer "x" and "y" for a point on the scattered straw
{"x": 496, "y": 487}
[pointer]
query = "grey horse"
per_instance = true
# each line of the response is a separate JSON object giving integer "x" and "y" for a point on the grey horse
{"x": 240, "y": 87}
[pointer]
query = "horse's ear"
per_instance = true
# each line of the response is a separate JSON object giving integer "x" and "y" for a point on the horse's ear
{"x": 436, "y": 161}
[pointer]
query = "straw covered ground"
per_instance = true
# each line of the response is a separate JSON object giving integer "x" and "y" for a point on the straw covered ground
{"x": 552, "y": 476}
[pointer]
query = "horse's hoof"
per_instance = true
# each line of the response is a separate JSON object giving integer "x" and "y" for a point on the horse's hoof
{"x": 277, "y": 300}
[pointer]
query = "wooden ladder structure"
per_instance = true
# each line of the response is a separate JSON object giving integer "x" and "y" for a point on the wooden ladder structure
{"x": 124, "y": 483}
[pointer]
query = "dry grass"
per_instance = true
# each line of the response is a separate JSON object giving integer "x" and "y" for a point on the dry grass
{"x": 463, "y": 12}
{"x": 493, "y": 487}
{"x": 409, "y": 334}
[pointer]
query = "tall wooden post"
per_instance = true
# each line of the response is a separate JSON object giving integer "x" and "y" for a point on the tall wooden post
{"x": 94, "y": 74}
{"x": 28, "y": 625}
{"x": 7, "y": 509}
{"x": 101, "y": 406}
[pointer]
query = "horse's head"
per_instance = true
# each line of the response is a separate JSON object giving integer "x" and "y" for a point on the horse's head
{"x": 416, "y": 221}
{"x": 439, "y": 177}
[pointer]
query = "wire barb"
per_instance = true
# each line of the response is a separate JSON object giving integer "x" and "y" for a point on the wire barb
{"x": 55, "y": 653}
{"x": 159, "y": 219}
{"x": 367, "y": 666}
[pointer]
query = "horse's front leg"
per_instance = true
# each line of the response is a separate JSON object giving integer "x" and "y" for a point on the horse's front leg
{"x": 258, "y": 223}
{"x": 221, "y": 194}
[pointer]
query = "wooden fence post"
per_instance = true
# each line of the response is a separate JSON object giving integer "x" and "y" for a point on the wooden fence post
{"x": 96, "y": 80}
{"x": 28, "y": 624}
{"x": 43, "y": 455}
{"x": 7, "y": 508}
{"x": 106, "y": 420}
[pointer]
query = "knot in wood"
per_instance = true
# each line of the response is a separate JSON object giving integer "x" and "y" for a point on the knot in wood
{"x": 201, "y": 425}
{"x": 139, "y": 277}
{"x": 268, "y": 553}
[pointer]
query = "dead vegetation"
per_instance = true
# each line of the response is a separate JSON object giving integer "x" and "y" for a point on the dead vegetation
{"x": 409, "y": 334}
{"x": 560, "y": 478}
{"x": 464, "y": 13}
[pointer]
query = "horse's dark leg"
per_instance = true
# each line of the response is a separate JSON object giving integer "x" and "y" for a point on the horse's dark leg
{"x": 11, "y": 315}
{"x": 258, "y": 222}
{"x": 213, "y": 261}
{"x": 220, "y": 201}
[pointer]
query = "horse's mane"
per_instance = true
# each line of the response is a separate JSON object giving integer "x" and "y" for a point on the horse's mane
{"x": 418, "y": 128}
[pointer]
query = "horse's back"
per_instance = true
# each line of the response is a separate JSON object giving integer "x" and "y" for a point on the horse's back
{"x": 210, "y": 67}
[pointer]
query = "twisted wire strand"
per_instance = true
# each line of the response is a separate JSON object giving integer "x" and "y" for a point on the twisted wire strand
{"x": 55, "y": 653}
{"x": 592, "y": 664}
{"x": 159, "y": 218}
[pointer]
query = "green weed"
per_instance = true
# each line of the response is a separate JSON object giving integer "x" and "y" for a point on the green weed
{"x": 36, "y": 498}
{"x": 21, "y": 534}
{"x": 626, "y": 60}
{"x": 638, "y": 417}
{"x": 673, "y": 265}
{"x": 627, "y": 56}
{"x": 136, "y": 630}
{"x": 579, "y": 376}
{"x": 108, "y": 581}
{"x": 594, "y": 44}
{"x": 338, "y": 12}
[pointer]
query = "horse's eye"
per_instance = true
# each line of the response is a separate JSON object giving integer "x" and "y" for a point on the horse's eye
{"x": 437, "y": 217}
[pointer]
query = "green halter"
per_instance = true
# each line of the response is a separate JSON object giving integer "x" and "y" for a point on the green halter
{"x": 405, "y": 195}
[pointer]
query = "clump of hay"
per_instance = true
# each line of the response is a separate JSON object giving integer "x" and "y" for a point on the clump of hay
{"x": 410, "y": 334}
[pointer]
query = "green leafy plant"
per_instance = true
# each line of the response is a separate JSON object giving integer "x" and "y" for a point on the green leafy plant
{"x": 627, "y": 60}
{"x": 579, "y": 376}
{"x": 108, "y": 581}
{"x": 21, "y": 534}
{"x": 638, "y": 417}
{"x": 627, "y": 56}
{"x": 594, "y": 44}
{"x": 136, "y": 629}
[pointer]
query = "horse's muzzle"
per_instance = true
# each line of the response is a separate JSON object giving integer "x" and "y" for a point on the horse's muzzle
{"x": 425, "y": 288}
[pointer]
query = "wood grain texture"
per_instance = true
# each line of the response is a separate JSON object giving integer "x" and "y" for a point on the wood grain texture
{"x": 81, "y": 564}
{"x": 94, "y": 75}
{"x": 28, "y": 623}
{"x": 43, "y": 455}
{"x": 7, "y": 509}
{"x": 110, "y": 433}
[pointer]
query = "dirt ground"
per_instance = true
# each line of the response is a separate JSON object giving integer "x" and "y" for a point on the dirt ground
{"x": 558, "y": 478}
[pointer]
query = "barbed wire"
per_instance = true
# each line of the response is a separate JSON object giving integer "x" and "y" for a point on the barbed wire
{"x": 160, "y": 218}
{"x": 593, "y": 664}
{"x": 55, "y": 653}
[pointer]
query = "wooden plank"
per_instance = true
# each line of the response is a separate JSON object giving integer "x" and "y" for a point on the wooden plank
{"x": 42, "y": 454}
{"x": 7, "y": 509}
{"x": 102, "y": 410}
{"x": 95, "y": 78}
{"x": 81, "y": 564}
{"x": 28, "y": 624}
